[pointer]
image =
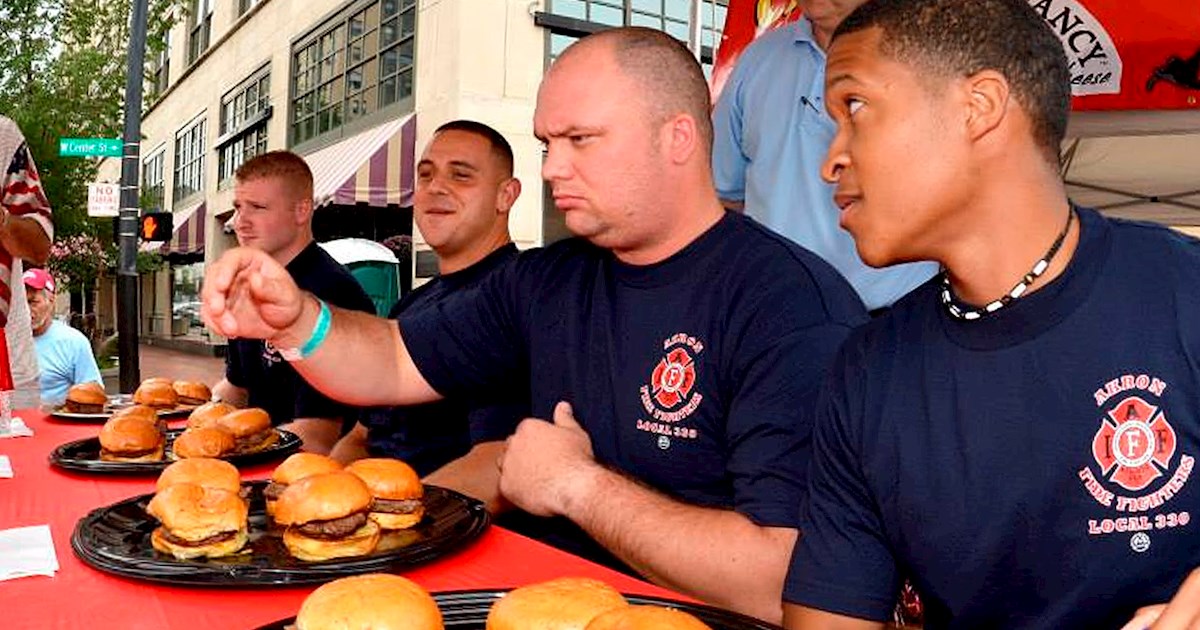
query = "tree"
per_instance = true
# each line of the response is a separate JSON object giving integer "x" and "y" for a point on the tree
{"x": 62, "y": 74}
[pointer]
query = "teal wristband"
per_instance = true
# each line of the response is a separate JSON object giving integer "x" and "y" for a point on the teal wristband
{"x": 320, "y": 331}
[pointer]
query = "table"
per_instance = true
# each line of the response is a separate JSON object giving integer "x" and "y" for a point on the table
{"x": 79, "y": 596}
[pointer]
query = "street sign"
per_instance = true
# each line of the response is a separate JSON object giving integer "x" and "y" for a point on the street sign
{"x": 104, "y": 200}
{"x": 89, "y": 147}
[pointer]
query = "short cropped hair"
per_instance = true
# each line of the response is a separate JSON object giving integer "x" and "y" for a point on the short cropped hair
{"x": 670, "y": 78}
{"x": 284, "y": 165}
{"x": 500, "y": 147}
{"x": 963, "y": 37}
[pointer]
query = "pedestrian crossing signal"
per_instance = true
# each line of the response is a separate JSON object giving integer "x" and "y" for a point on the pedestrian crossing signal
{"x": 156, "y": 226}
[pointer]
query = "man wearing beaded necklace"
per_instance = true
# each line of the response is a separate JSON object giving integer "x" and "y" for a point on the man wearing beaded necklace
{"x": 1014, "y": 435}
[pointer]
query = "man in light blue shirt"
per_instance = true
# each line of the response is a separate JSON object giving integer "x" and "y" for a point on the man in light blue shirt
{"x": 771, "y": 135}
{"x": 64, "y": 354}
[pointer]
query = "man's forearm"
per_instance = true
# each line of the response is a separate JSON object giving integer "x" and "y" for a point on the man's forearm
{"x": 362, "y": 361}
{"x": 230, "y": 393}
{"x": 718, "y": 556}
{"x": 352, "y": 446}
{"x": 475, "y": 475}
{"x": 25, "y": 238}
{"x": 318, "y": 434}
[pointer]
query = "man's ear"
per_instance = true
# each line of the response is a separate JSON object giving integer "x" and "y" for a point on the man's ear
{"x": 304, "y": 211}
{"x": 680, "y": 137}
{"x": 987, "y": 102}
{"x": 507, "y": 195}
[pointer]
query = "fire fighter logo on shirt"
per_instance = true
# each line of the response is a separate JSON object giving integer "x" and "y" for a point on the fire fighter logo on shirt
{"x": 673, "y": 378}
{"x": 1134, "y": 449}
{"x": 672, "y": 396}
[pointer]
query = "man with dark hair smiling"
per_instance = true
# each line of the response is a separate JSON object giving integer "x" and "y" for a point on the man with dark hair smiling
{"x": 1019, "y": 435}
{"x": 677, "y": 347}
{"x": 464, "y": 191}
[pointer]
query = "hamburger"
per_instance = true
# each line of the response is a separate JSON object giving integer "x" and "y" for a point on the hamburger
{"x": 646, "y": 618}
{"x": 142, "y": 412}
{"x": 396, "y": 491}
{"x": 326, "y": 517}
{"x": 559, "y": 604}
{"x": 203, "y": 442}
{"x": 374, "y": 600}
{"x": 85, "y": 398}
{"x": 251, "y": 429}
{"x": 198, "y": 522}
{"x": 208, "y": 414}
{"x": 192, "y": 392}
{"x": 130, "y": 439}
{"x": 296, "y": 467}
{"x": 200, "y": 471}
{"x": 156, "y": 393}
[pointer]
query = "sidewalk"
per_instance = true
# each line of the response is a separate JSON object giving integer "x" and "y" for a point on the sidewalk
{"x": 180, "y": 366}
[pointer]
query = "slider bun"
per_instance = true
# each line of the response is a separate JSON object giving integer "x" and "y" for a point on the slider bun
{"x": 211, "y": 550}
{"x": 90, "y": 393}
{"x": 129, "y": 435}
{"x": 245, "y": 422}
{"x": 300, "y": 465}
{"x": 388, "y": 478}
{"x": 560, "y": 604}
{"x": 359, "y": 543}
{"x": 203, "y": 442}
{"x": 156, "y": 393}
{"x": 321, "y": 498}
{"x": 208, "y": 414}
{"x": 194, "y": 512}
{"x": 192, "y": 392}
{"x": 646, "y": 618}
{"x": 376, "y": 600}
{"x": 141, "y": 412}
{"x": 201, "y": 471}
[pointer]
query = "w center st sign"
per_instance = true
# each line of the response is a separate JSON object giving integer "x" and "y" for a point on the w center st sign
{"x": 89, "y": 147}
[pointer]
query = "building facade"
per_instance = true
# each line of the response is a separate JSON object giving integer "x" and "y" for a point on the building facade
{"x": 356, "y": 87}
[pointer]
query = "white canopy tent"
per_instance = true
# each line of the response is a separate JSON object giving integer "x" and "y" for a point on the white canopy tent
{"x": 1141, "y": 165}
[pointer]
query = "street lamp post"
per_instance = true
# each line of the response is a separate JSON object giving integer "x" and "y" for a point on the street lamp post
{"x": 127, "y": 221}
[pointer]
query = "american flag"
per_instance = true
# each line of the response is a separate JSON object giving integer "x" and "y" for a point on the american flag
{"x": 21, "y": 194}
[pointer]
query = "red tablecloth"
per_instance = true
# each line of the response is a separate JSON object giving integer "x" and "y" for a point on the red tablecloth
{"x": 81, "y": 597}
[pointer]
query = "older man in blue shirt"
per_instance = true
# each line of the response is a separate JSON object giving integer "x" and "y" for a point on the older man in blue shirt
{"x": 771, "y": 134}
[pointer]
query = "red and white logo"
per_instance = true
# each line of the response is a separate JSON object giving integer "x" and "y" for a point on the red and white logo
{"x": 673, "y": 378}
{"x": 1137, "y": 441}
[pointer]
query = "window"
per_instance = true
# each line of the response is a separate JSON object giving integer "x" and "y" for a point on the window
{"x": 245, "y": 111}
{"x": 152, "y": 180}
{"x": 246, "y": 5}
{"x": 201, "y": 28}
{"x": 189, "y": 160}
{"x": 158, "y": 71}
{"x": 355, "y": 66}
{"x": 568, "y": 20}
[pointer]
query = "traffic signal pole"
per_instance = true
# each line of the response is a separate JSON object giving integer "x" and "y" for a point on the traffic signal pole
{"x": 127, "y": 222}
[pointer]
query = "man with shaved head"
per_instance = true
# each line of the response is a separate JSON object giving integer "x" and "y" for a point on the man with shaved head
{"x": 672, "y": 351}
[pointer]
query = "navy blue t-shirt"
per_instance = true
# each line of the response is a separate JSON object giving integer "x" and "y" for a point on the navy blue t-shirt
{"x": 696, "y": 375}
{"x": 271, "y": 382}
{"x": 1027, "y": 470}
{"x": 430, "y": 436}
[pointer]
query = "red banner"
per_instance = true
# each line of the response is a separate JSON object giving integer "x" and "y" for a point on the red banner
{"x": 1123, "y": 54}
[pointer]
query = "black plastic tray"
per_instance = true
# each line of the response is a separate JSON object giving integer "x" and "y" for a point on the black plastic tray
{"x": 116, "y": 539}
{"x": 468, "y": 610}
{"x": 84, "y": 456}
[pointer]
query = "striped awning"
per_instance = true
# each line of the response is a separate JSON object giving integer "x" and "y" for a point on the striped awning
{"x": 189, "y": 233}
{"x": 374, "y": 167}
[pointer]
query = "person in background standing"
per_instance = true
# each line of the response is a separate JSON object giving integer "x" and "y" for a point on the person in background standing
{"x": 771, "y": 133}
{"x": 25, "y": 233}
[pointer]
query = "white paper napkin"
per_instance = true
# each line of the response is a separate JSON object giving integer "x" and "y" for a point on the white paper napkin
{"x": 26, "y": 551}
{"x": 5, "y": 467}
{"x": 19, "y": 429}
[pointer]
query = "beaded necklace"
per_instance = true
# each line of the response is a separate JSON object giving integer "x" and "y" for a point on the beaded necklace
{"x": 1038, "y": 269}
